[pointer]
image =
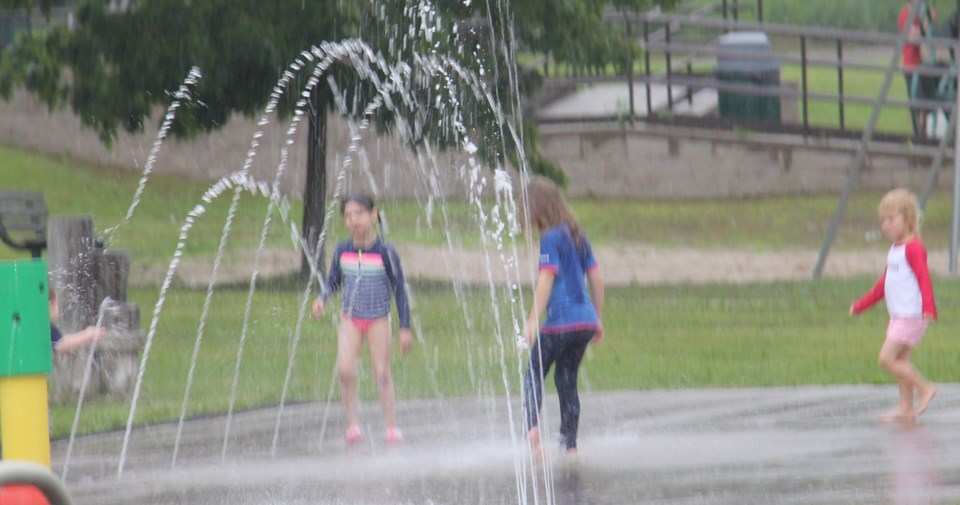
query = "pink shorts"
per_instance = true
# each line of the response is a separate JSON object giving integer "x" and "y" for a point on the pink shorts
{"x": 360, "y": 324}
{"x": 906, "y": 330}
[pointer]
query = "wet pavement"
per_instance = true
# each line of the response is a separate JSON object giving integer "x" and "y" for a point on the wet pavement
{"x": 726, "y": 446}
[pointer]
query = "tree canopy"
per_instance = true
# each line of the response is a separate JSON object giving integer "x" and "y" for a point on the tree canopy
{"x": 113, "y": 68}
{"x": 443, "y": 69}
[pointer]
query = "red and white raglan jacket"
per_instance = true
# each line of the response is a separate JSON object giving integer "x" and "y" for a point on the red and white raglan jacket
{"x": 905, "y": 284}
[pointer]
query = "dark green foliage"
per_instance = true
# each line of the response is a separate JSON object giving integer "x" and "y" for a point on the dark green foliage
{"x": 43, "y": 5}
{"x": 120, "y": 65}
{"x": 114, "y": 68}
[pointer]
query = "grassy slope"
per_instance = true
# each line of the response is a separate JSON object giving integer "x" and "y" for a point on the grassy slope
{"x": 71, "y": 188}
{"x": 754, "y": 223}
{"x": 880, "y": 16}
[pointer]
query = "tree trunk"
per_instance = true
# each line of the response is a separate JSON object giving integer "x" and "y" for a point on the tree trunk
{"x": 315, "y": 191}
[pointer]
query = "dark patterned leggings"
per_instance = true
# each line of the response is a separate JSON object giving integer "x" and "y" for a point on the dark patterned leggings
{"x": 566, "y": 350}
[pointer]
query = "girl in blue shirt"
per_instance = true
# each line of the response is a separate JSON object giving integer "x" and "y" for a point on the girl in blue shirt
{"x": 367, "y": 269}
{"x": 572, "y": 314}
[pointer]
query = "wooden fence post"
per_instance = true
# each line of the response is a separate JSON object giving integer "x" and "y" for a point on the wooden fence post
{"x": 73, "y": 264}
{"x": 84, "y": 275}
{"x": 71, "y": 253}
{"x": 120, "y": 352}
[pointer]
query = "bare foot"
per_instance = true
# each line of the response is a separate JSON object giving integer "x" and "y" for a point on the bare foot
{"x": 926, "y": 394}
{"x": 898, "y": 415}
{"x": 539, "y": 455}
{"x": 573, "y": 457}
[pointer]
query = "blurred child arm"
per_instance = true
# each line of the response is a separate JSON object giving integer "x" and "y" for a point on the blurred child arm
{"x": 398, "y": 282}
{"x": 870, "y": 297}
{"x": 917, "y": 259}
{"x": 596, "y": 295}
{"x": 82, "y": 338}
{"x": 331, "y": 286}
{"x": 541, "y": 295}
{"x": 333, "y": 277}
{"x": 395, "y": 276}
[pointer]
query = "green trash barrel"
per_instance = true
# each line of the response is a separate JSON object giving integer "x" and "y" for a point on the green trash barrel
{"x": 747, "y": 58}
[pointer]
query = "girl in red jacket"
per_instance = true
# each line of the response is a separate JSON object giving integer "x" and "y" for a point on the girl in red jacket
{"x": 906, "y": 287}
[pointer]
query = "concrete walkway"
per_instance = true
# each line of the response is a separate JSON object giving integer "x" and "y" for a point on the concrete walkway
{"x": 613, "y": 99}
{"x": 772, "y": 446}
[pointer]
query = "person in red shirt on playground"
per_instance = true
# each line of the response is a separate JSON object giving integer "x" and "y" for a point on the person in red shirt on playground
{"x": 918, "y": 86}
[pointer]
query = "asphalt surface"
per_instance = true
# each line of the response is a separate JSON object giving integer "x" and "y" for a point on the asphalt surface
{"x": 726, "y": 446}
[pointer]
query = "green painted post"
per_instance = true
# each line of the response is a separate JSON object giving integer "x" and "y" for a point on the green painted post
{"x": 24, "y": 318}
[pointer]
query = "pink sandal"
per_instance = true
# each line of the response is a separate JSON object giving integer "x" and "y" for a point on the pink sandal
{"x": 354, "y": 434}
{"x": 394, "y": 436}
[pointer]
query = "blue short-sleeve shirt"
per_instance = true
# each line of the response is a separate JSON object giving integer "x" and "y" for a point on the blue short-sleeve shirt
{"x": 570, "y": 307}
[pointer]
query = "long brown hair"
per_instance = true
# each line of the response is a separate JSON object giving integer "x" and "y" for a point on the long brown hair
{"x": 548, "y": 209}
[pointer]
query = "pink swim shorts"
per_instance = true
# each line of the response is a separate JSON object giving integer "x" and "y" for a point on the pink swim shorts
{"x": 906, "y": 330}
{"x": 361, "y": 324}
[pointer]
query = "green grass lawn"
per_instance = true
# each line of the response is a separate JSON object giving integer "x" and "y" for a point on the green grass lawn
{"x": 783, "y": 334}
{"x": 797, "y": 222}
{"x": 856, "y": 83}
{"x": 880, "y": 16}
{"x": 72, "y": 188}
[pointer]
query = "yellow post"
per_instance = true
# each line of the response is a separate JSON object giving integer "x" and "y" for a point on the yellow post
{"x": 24, "y": 419}
{"x": 25, "y": 359}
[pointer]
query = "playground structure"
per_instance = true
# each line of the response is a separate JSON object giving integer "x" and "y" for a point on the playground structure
{"x": 25, "y": 357}
{"x": 25, "y": 352}
{"x": 924, "y": 85}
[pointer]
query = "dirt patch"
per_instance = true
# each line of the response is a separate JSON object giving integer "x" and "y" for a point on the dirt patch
{"x": 641, "y": 265}
{"x": 236, "y": 267}
{"x": 629, "y": 265}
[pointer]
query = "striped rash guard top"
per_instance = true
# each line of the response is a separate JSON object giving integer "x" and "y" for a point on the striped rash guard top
{"x": 570, "y": 307}
{"x": 367, "y": 275}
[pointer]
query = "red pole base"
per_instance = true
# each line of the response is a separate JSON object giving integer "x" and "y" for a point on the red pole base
{"x": 21, "y": 494}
